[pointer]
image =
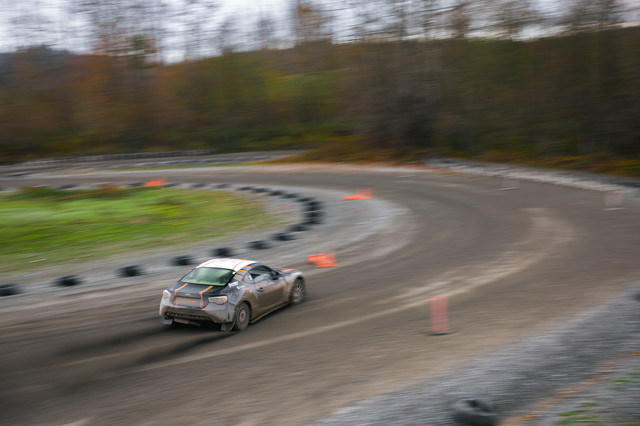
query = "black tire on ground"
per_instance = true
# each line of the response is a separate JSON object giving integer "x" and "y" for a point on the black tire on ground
{"x": 68, "y": 281}
{"x": 314, "y": 214}
{"x": 183, "y": 260}
{"x": 475, "y": 411}
{"x": 222, "y": 252}
{"x": 313, "y": 221}
{"x": 314, "y": 205}
{"x": 258, "y": 245}
{"x": 243, "y": 316}
{"x": 9, "y": 289}
{"x": 298, "y": 292}
{"x": 299, "y": 227}
{"x": 283, "y": 236}
{"x": 130, "y": 271}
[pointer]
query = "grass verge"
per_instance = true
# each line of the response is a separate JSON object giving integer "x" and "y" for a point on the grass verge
{"x": 42, "y": 226}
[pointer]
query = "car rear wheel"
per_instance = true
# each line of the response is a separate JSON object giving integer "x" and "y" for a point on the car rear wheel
{"x": 297, "y": 292}
{"x": 243, "y": 315}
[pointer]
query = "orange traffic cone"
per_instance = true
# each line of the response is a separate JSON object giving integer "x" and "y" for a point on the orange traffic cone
{"x": 323, "y": 260}
{"x": 154, "y": 182}
{"x": 439, "y": 315}
{"x": 361, "y": 194}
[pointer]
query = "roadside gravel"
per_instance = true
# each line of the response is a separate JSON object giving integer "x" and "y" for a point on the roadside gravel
{"x": 591, "y": 363}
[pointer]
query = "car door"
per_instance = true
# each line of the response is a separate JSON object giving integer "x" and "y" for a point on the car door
{"x": 268, "y": 291}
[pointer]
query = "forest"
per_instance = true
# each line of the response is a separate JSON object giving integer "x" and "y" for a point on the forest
{"x": 384, "y": 80}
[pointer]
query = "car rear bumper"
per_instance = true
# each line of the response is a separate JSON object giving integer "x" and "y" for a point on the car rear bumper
{"x": 212, "y": 312}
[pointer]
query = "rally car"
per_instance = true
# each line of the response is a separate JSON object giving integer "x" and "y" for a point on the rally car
{"x": 230, "y": 292}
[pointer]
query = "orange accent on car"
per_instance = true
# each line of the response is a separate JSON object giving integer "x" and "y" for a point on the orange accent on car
{"x": 241, "y": 260}
{"x": 201, "y": 300}
{"x": 175, "y": 292}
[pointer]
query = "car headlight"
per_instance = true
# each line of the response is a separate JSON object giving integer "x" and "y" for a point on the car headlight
{"x": 166, "y": 294}
{"x": 218, "y": 300}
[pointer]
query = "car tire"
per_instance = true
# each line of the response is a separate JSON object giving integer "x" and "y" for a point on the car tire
{"x": 243, "y": 316}
{"x": 298, "y": 292}
{"x": 475, "y": 411}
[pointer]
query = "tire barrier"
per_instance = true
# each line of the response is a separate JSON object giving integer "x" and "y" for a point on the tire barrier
{"x": 313, "y": 221}
{"x": 283, "y": 236}
{"x": 126, "y": 156}
{"x": 9, "y": 289}
{"x": 564, "y": 178}
{"x": 222, "y": 252}
{"x": 299, "y": 227}
{"x": 68, "y": 281}
{"x": 258, "y": 245}
{"x": 182, "y": 261}
{"x": 312, "y": 210}
{"x": 130, "y": 271}
{"x": 313, "y": 215}
{"x": 474, "y": 411}
{"x": 313, "y": 207}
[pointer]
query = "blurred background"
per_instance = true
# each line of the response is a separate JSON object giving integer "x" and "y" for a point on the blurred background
{"x": 532, "y": 81}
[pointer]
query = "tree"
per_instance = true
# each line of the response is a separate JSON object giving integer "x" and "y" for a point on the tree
{"x": 310, "y": 23}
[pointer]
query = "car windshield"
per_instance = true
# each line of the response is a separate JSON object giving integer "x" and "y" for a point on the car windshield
{"x": 208, "y": 276}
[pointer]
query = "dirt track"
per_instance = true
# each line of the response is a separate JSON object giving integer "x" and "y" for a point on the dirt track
{"x": 514, "y": 263}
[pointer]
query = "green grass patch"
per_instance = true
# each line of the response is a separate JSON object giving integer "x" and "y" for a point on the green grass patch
{"x": 577, "y": 417}
{"x": 588, "y": 404}
{"x": 42, "y": 226}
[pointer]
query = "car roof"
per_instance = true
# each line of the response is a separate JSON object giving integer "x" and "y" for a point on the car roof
{"x": 226, "y": 263}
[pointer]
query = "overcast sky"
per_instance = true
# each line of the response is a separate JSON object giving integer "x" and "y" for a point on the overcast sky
{"x": 61, "y": 31}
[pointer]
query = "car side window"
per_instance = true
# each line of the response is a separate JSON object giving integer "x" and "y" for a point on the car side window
{"x": 260, "y": 273}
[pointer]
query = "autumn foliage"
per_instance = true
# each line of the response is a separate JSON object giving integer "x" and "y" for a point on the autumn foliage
{"x": 501, "y": 97}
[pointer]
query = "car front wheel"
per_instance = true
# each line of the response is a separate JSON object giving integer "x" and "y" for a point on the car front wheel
{"x": 243, "y": 315}
{"x": 298, "y": 292}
